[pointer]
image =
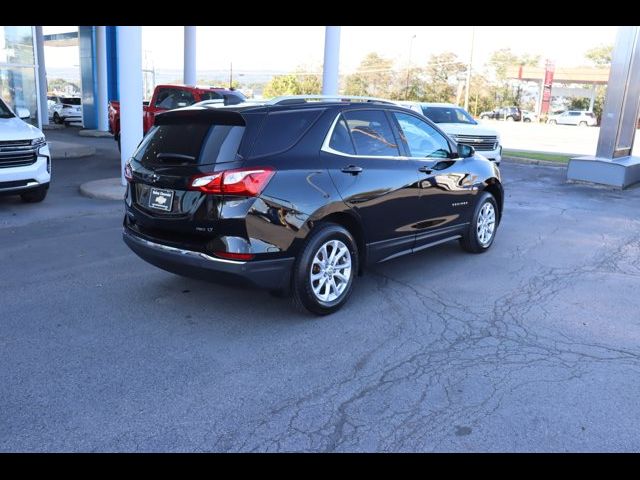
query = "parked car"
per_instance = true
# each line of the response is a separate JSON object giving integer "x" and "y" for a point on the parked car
{"x": 528, "y": 116}
{"x": 574, "y": 117}
{"x": 511, "y": 114}
{"x": 25, "y": 161}
{"x": 297, "y": 195}
{"x": 461, "y": 127}
{"x": 168, "y": 97}
{"x": 64, "y": 109}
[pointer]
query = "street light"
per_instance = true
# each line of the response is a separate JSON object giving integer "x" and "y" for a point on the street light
{"x": 406, "y": 88}
{"x": 466, "y": 95}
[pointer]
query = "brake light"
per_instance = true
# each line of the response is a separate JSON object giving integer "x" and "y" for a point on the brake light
{"x": 246, "y": 182}
{"x": 128, "y": 173}
{"x": 234, "y": 256}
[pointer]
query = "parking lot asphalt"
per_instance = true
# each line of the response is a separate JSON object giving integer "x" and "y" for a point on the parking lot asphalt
{"x": 532, "y": 346}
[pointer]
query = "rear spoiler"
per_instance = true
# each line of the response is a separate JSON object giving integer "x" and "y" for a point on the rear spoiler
{"x": 200, "y": 115}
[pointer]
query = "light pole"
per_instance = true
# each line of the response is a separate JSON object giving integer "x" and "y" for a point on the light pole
{"x": 406, "y": 88}
{"x": 466, "y": 95}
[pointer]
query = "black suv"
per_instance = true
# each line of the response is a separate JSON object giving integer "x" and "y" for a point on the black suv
{"x": 505, "y": 113}
{"x": 297, "y": 196}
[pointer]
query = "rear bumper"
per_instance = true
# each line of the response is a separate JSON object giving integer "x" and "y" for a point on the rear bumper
{"x": 267, "y": 274}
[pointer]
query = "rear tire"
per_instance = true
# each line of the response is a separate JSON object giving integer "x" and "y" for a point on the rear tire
{"x": 56, "y": 118}
{"x": 552, "y": 122}
{"x": 510, "y": 119}
{"x": 527, "y": 120}
{"x": 476, "y": 240}
{"x": 34, "y": 196}
{"x": 324, "y": 270}
{"x": 484, "y": 117}
{"x": 582, "y": 124}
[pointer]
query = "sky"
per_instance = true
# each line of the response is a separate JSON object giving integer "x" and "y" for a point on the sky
{"x": 284, "y": 48}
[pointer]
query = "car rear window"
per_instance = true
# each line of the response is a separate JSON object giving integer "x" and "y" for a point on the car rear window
{"x": 282, "y": 130}
{"x": 190, "y": 144}
{"x": 70, "y": 101}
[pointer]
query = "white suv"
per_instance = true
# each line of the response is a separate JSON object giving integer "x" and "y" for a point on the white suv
{"x": 574, "y": 117}
{"x": 460, "y": 126}
{"x": 25, "y": 161}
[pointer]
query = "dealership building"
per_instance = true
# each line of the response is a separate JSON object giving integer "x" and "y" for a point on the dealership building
{"x": 111, "y": 66}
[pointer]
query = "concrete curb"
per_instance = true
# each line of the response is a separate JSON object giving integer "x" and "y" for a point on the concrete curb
{"x": 105, "y": 189}
{"x": 533, "y": 161}
{"x": 53, "y": 126}
{"x": 95, "y": 134}
{"x": 69, "y": 150}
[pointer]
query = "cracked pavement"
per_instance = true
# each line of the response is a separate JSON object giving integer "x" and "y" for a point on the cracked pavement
{"x": 532, "y": 346}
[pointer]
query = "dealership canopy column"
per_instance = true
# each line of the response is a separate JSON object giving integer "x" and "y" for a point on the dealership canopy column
{"x": 614, "y": 163}
{"x": 42, "y": 78}
{"x": 102, "y": 98}
{"x": 130, "y": 87}
{"x": 331, "y": 60}
{"x": 189, "y": 55}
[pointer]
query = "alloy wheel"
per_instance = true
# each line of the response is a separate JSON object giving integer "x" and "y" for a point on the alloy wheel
{"x": 330, "y": 271}
{"x": 486, "y": 224}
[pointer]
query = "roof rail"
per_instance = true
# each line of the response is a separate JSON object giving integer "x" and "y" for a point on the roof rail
{"x": 291, "y": 99}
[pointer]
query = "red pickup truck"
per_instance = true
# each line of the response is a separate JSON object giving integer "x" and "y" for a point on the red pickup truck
{"x": 168, "y": 97}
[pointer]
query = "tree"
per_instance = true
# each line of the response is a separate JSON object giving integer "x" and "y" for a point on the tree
{"x": 578, "y": 103}
{"x": 293, "y": 84}
{"x": 62, "y": 85}
{"x": 499, "y": 62}
{"x": 600, "y": 55}
{"x": 374, "y": 77}
{"x": 439, "y": 73}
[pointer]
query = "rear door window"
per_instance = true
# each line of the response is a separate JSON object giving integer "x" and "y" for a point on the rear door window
{"x": 341, "y": 139}
{"x": 190, "y": 144}
{"x": 371, "y": 133}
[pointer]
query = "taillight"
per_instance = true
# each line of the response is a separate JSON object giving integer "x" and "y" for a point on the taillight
{"x": 128, "y": 173}
{"x": 246, "y": 182}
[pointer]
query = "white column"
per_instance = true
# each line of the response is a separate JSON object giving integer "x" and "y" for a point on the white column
{"x": 130, "y": 86}
{"x": 43, "y": 115}
{"x": 189, "y": 55}
{"x": 331, "y": 60}
{"x": 102, "y": 98}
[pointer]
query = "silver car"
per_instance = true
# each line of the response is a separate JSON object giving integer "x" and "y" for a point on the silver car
{"x": 574, "y": 117}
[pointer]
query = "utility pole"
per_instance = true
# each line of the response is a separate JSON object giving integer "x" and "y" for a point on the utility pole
{"x": 230, "y": 75}
{"x": 466, "y": 95}
{"x": 406, "y": 88}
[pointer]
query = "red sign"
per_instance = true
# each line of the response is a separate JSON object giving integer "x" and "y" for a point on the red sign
{"x": 549, "y": 70}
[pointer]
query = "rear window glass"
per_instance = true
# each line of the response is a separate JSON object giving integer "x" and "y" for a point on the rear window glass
{"x": 210, "y": 96}
{"x": 70, "y": 101}
{"x": 189, "y": 144}
{"x": 341, "y": 139}
{"x": 282, "y": 130}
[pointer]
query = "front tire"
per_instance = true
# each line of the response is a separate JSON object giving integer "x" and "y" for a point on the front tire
{"x": 56, "y": 119}
{"x": 324, "y": 270}
{"x": 482, "y": 229}
{"x": 582, "y": 124}
{"x": 484, "y": 117}
{"x": 34, "y": 196}
{"x": 510, "y": 119}
{"x": 552, "y": 122}
{"x": 527, "y": 120}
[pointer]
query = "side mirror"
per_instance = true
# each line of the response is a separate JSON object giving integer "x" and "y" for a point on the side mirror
{"x": 465, "y": 151}
{"x": 23, "y": 113}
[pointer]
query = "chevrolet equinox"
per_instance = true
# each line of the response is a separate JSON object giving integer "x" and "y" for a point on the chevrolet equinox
{"x": 298, "y": 194}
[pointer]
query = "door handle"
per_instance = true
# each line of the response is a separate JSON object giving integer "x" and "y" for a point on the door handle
{"x": 425, "y": 169}
{"x": 352, "y": 169}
